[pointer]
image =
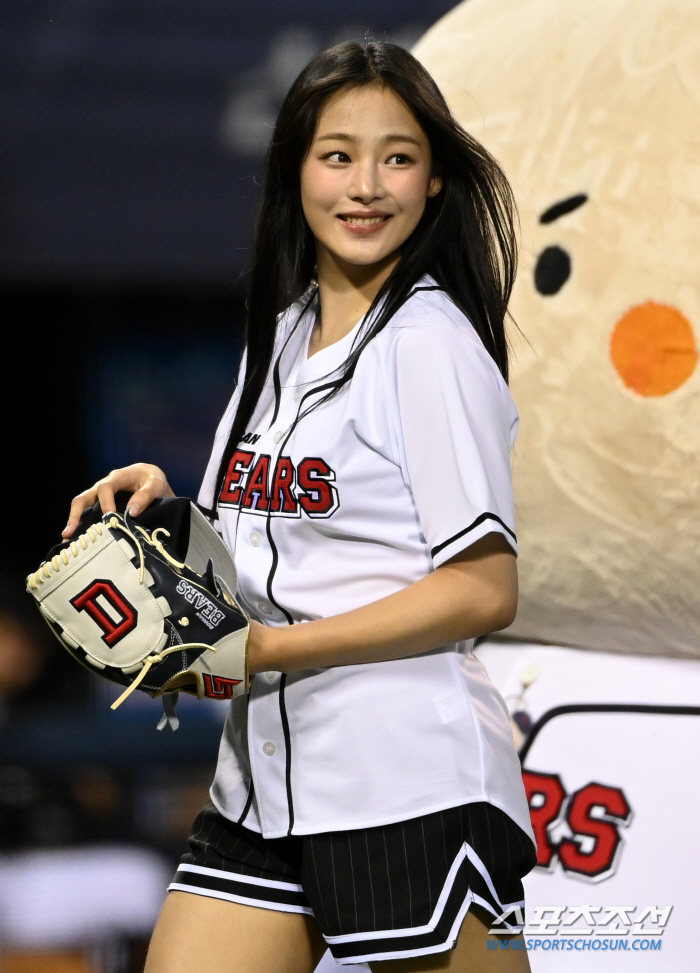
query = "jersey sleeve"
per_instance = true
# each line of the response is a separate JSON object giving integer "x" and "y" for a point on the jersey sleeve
{"x": 206, "y": 496}
{"x": 455, "y": 424}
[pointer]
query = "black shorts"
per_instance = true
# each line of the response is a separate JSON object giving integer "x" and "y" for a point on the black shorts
{"x": 377, "y": 893}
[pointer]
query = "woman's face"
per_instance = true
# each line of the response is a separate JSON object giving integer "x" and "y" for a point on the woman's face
{"x": 366, "y": 177}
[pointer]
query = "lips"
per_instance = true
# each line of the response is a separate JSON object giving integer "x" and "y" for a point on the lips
{"x": 363, "y": 224}
{"x": 364, "y": 220}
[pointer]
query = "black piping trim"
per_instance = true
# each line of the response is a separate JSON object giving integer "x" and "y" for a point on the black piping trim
{"x": 277, "y": 385}
{"x": 314, "y": 391}
{"x": 276, "y": 368}
{"x": 247, "y": 890}
{"x": 602, "y": 708}
{"x": 427, "y": 287}
{"x": 273, "y": 570}
{"x": 479, "y": 520}
{"x": 248, "y": 803}
{"x": 290, "y": 621}
{"x": 268, "y": 519}
{"x": 288, "y": 748}
{"x": 209, "y": 514}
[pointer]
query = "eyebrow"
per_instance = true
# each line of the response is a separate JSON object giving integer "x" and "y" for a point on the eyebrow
{"x": 563, "y": 207}
{"x": 345, "y": 137}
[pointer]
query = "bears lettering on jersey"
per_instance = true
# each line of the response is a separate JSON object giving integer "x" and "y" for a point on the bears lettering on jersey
{"x": 256, "y": 496}
{"x": 237, "y": 469}
{"x": 257, "y": 486}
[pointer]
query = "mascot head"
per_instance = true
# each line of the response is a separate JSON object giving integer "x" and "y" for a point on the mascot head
{"x": 593, "y": 109}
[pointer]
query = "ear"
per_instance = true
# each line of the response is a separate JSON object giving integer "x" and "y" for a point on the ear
{"x": 434, "y": 186}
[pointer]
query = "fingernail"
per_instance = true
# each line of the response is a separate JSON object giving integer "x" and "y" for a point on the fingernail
{"x": 133, "y": 509}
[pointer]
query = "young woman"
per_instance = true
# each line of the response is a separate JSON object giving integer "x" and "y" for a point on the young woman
{"x": 367, "y": 795}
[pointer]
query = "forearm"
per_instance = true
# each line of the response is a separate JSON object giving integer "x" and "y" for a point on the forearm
{"x": 467, "y": 597}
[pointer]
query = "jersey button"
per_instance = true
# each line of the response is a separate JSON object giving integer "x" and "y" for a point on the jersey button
{"x": 256, "y": 539}
{"x": 277, "y": 436}
{"x": 265, "y": 607}
{"x": 297, "y": 395}
{"x": 269, "y": 749}
{"x": 271, "y": 676}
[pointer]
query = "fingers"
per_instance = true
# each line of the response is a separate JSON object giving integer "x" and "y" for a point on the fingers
{"x": 105, "y": 494}
{"x": 102, "y": 491}
{"x": 145, "y": 481}
{"x": 155, "y": 486}
{"x": 79, "y": 504}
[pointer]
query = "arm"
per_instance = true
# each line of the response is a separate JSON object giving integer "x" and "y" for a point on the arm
{"x": 472, "y": 594}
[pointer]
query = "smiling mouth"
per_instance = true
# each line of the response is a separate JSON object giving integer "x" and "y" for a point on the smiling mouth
{"x": 364, "y": 220}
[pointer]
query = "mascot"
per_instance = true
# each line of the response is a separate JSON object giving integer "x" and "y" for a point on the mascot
{"x": 593, "y": 109}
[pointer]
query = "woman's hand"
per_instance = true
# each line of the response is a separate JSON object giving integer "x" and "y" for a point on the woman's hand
{"x": 144, "y": 481}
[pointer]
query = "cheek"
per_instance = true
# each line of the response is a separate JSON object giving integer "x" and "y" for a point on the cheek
{"x": 320, "y": 188}
{"x": 409, "y": 190}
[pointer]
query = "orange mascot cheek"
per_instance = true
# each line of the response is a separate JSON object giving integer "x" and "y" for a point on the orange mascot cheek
{"x": 653, "y": 349}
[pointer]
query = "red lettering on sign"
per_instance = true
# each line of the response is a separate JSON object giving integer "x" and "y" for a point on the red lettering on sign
{"x": 546, "y": 797}
{"x": 602, "y": 830}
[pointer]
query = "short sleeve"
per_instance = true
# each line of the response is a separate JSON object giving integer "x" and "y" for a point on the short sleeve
{"x": 455, "y": 425}
{"x": 206, "y": 496}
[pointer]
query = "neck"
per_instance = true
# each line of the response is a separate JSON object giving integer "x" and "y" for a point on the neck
{"x": 346, "y": 292}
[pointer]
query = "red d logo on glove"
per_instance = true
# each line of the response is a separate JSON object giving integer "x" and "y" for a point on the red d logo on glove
{"x": 126, "y": 614}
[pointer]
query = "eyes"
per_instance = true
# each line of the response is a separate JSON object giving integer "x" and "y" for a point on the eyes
{"x": 553, "y": 267}
{"x": 552, "y": 270}
{"x": 342, "y": 158}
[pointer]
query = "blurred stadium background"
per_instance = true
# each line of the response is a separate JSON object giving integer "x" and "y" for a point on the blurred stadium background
{"x": 132, "y": 140}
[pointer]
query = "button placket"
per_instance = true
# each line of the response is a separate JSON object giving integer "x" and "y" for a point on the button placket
{"x": 267, "y": 754}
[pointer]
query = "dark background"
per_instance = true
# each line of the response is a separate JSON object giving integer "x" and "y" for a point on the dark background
{"x": 132, "y": 142}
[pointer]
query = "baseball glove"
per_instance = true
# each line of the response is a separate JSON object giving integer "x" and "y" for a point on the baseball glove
{"x": 148, "y": 602}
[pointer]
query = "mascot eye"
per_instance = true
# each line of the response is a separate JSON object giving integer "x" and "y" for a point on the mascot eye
{"x": 552, "y": 270}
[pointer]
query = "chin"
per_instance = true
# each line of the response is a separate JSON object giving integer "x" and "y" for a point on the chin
{"x": 363, "y": 260}
{"x": 361, "y": 257}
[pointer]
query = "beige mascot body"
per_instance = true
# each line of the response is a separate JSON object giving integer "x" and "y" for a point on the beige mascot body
{"x": 595, "y": 105}
{"x": 593, "y": 109}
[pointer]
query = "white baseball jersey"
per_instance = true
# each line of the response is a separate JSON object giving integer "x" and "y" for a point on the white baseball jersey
{"x": 408, "y": 465}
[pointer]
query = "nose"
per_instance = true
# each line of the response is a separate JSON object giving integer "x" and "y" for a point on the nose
{"x": 365, "y": 187}
{"x": 653, "y": 349}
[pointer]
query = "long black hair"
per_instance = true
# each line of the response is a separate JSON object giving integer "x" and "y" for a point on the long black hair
{"x": 465, "y": 239}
